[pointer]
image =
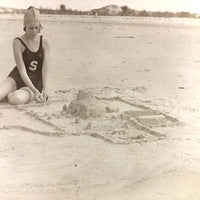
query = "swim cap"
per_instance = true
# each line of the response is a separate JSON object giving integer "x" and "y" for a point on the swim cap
{"x": 31, "y": 15}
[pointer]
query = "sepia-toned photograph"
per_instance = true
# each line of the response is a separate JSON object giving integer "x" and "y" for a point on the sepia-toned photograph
{"x": 100, "y": 100}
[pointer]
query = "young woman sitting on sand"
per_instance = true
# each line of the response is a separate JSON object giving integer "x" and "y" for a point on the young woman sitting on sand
{"x": 27, "y": 81}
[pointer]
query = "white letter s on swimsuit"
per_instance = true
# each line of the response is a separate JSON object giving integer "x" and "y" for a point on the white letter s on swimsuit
{"x": 33, "y": 65}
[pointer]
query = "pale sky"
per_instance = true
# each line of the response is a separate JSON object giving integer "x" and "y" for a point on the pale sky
{"x": 150, "y": 5}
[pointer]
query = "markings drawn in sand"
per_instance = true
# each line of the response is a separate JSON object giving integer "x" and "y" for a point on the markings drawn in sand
{"x": 113, "y": 120}
{"x": 14, "y": 117}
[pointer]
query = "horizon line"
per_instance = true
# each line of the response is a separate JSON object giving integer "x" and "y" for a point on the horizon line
{"x": 68, "y": 8}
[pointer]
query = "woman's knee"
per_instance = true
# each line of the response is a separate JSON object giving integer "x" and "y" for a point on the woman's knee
{"x": 7, "y": 86}
{"x": 18, "y": 97}
{"x": 14, "y": 99}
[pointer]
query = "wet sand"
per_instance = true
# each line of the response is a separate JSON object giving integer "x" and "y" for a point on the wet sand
{"x": 135, "y": 132}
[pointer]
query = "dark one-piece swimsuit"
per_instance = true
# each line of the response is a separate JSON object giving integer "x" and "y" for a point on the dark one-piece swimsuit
{"x": 33, "y": 63}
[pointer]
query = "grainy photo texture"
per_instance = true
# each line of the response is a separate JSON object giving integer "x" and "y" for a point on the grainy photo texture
{"x": 99, "y": 100}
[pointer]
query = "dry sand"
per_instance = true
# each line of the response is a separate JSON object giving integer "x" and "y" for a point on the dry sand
{"x": 123, "y": 120}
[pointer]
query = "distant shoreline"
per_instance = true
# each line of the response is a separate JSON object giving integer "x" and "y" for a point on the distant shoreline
{"x": 109, "y": 10}
{"x": 190, "y": 22}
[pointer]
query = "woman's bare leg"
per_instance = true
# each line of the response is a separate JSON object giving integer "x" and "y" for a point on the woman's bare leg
{"x": 7, "y": 86}
{"x": 21, "y": 96}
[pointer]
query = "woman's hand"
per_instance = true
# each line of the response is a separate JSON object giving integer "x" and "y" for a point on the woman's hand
{"x": 39, "y": 96}
{"x": 45, "y": 96}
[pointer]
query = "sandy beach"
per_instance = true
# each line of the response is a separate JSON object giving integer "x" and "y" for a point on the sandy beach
{"x": 123, "y": 118}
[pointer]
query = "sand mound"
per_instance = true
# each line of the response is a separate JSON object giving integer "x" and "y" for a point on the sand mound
{"x": 85, "y": 106}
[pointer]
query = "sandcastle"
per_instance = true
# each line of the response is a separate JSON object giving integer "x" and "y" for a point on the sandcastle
{"x": 85, "y": 106}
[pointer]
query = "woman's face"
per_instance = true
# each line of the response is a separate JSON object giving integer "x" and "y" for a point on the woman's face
{"x": 32, "y": 29}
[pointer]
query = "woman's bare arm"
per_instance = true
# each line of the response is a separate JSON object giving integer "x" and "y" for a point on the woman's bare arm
{"x": 46, "y": 64}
